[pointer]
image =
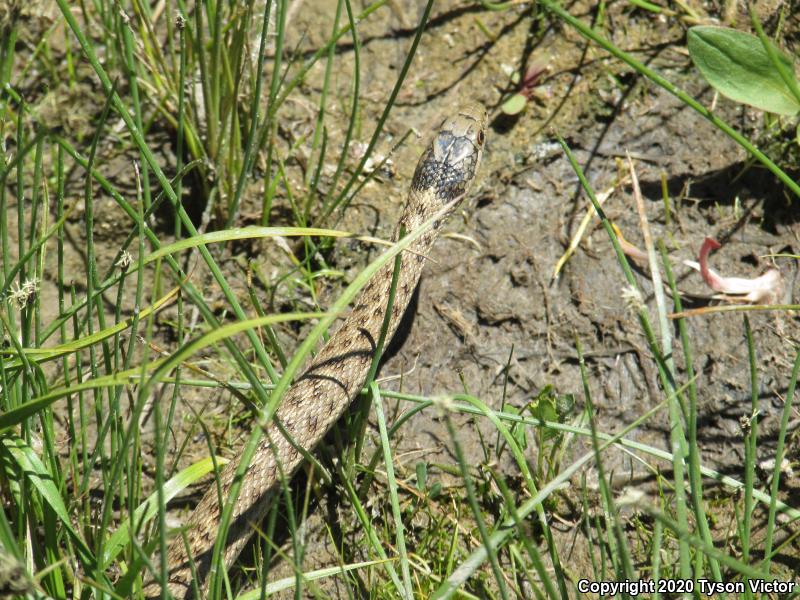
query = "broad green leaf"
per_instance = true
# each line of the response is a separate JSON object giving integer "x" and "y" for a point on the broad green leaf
{"x": 737, "y": 65}
{"x": 147, "y": 509}
{"x": 422, "y": 476}
{"x": 287, "y": 583}
{"x": 35, "y": 471}
{"x": 514, "y": 105}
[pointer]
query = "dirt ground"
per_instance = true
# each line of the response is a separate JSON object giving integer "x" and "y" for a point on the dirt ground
{"x": 480, "y": 299}
{"x": 490, "y": 290}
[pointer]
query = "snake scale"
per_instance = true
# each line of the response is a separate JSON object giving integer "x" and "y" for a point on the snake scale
{"x": 320, "y": 396}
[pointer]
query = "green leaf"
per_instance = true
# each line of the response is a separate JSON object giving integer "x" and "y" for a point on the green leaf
{"x": 422, "y": 476}
{"x": 16, "y": 450}
{"x": 148, "y": 509}
{"x": 287, "y": 583}
{"x": 514, "y": 105}
{"x": 518, "y": 430}
{"x": 738, "y": 66}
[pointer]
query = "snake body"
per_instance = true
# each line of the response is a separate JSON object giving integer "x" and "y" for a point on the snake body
{"x": 321, "y": 395}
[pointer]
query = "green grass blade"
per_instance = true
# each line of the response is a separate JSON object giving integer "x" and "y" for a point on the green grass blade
{"x": 377, "y": 402}
{"x": 148, "y": 509}
{"x": 653, "y": 76}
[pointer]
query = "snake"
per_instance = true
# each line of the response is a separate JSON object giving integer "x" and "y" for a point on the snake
{"x": 335, "y": 376}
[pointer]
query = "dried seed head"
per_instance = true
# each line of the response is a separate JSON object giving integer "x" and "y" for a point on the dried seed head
{"x": 125, "y": 261}
{"x": 632, "y": 299}
{"x": 24, "y": 294}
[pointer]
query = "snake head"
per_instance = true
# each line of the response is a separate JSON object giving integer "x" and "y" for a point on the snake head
{"x": 448, "y": 166}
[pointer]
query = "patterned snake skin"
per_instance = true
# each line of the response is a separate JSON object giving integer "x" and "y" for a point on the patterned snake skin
{"x": 325, "y": 390}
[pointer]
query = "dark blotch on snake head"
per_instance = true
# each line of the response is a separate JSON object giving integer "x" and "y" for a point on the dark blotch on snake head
{"x": 448, "y": 166}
